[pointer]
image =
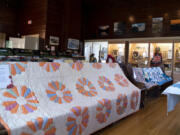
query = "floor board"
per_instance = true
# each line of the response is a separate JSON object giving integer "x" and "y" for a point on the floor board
{"x": 152, "y": 120}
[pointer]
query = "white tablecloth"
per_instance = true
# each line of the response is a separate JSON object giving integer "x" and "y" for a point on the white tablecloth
{"x": 173, "y": 96}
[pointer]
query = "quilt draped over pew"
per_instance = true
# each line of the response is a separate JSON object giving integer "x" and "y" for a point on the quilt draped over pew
{"x": 65, "y": 99}
{"x": 151, "y": 76}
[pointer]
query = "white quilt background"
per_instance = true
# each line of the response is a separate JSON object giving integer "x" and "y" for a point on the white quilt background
{"x": 36, "y": 78}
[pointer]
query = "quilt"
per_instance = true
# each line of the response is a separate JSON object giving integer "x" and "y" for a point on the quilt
{"x": 155, "y": 75}
{"x": 139, "y": 77}
{"x": 65, "y": 98}
{"x": 173, "y": 96}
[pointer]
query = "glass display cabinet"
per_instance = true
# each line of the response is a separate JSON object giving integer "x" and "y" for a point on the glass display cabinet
{"x": 117, "y": 51}
{"x": 138, "y": 54}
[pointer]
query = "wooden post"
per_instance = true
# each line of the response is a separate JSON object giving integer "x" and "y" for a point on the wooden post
{"x": 173, "y": 60}
{"x": 126, "y": 52}
{"x": 149, "y": 54}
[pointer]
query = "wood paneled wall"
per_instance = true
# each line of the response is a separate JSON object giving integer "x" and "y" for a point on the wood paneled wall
{"x": 80, "y": 19}
{"x": 61, "y": 18}
{"x": 55, "y": 18}
{"x": 8, "y": 17}
{"x": 64, "y": 20}
{"x": 107, "y": 12}
{"x": 34, "y": 10}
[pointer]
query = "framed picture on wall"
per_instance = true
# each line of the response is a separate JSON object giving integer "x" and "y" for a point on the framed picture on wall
{"x": 175, "y": 25}
{"x": 138, "y": 27}
{"x": 54, "y": 40}
{"x": 157, "y": 25}
{"x": 103, "y": 30}
{"x": 119, "y": 28}
{"x": 73, "y": 44}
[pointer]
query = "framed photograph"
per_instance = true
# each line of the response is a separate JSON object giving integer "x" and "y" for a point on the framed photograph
{"x": 54, "y": 40}
{"x": 119, "y": 28}
{"x": 157, "y": 25}
{"x": 138, "y": 27}
{"x": 73, "y": 44}
{"x": 104, "y": 30}
{"x": 175, "y": 25}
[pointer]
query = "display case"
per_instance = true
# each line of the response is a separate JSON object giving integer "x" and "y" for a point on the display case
{"x": 177, "y": 57}
{"x": 100, "y": 50}
{"x": 138, "y": 54}
{"x": 117, "y": 51}
{"x": 165, "y": 49}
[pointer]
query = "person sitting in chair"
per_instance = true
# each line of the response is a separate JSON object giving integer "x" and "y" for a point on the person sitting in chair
{"x": 157, "y": 59}
{"x": 92, "y": 59}
{"x": 110, "y": 59}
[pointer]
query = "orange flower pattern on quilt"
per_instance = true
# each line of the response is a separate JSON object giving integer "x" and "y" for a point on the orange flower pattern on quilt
{"x": 58, "y": 93}
{"x": 77, "y": 65}
{"x": 18, "y": 68}
{"x": 134, "y": 99}
{"x": 105, "y": 84}
{"x": 49, "y": 66}
{"x": 23, "y": 101}
{"x": 41, "y": 126}
{"x": 121, "y": 104}
{"x": 97, "y": 65}
{"x": 122, "y": 81}
{"x": 82, "y": 83}
{"x": 102, "y": 116}
{"x": 77, "y": 120}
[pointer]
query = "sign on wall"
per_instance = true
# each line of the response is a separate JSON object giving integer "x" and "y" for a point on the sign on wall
{"x": 5, "y": 79}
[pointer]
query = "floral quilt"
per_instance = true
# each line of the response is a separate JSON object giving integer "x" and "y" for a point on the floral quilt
{"x": 65, "y": 98}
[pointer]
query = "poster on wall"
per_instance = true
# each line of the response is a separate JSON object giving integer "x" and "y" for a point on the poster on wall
{"x": 54, "y": 40}
{"x": 175, "y": 25}
{"x": 119, "y": 28}
{"x": 157, "y": 25}
{"x": 103, "y": 30}
{"x": 138, "y": 27}
{"x": 73, "y": 44}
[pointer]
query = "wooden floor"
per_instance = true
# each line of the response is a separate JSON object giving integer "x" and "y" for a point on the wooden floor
{"x": 152, "y": 120}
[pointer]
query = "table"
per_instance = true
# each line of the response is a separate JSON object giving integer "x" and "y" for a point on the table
{"x": 173, "y": 96}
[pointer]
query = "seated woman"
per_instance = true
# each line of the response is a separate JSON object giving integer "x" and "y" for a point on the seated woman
{"x": 157, "y": 59}
{"x": 92, "y": 59}
{"x": 110, "y": 59}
